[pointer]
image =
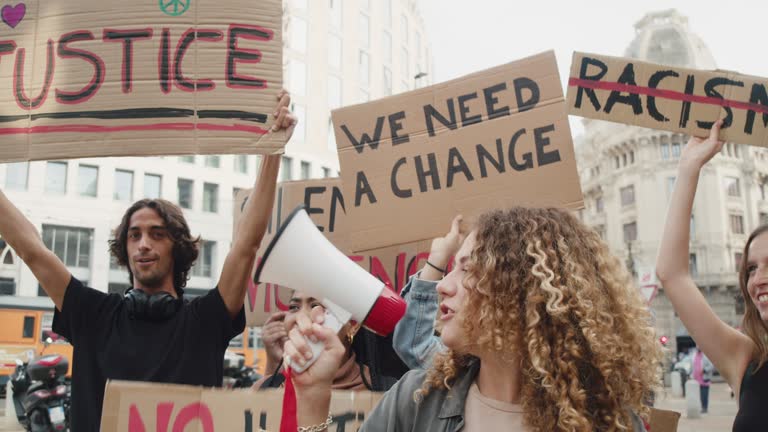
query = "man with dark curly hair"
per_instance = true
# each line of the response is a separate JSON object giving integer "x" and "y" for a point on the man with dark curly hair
{"x": 151, "y": 333}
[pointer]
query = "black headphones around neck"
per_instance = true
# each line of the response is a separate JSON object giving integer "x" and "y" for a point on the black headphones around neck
{"x": 151, "y": 307}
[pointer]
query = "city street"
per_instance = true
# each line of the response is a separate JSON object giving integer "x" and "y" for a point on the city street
{"x": 722, "y": 409}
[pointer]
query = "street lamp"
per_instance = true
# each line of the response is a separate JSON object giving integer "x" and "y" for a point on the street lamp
{"x": 417, "y": 77}
{"x": 630, "y": 260}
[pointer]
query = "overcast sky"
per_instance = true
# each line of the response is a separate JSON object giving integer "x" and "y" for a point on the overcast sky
{"x": 468, "y": 36}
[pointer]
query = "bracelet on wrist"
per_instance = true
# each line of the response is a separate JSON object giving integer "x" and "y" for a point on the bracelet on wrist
{"x": 319, "y": 427}
{"x": 435, "y": 267}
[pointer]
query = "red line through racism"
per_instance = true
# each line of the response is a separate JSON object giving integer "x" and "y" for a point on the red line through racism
{"x": 665, "y": 94}
{"x": 148, "y": 127}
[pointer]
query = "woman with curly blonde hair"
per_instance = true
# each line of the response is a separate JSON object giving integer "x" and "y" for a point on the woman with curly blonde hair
{"x": 544, "y": 332}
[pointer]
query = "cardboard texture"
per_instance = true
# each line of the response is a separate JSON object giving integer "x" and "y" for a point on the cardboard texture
{"x": 633, "y": 92}
{"x": 663, "y": 421}
{"x": 496, "y": 138}
{"x": 145, "y": 407}
{"x": 119, "y": 78}
{"x": 326, "y": 206}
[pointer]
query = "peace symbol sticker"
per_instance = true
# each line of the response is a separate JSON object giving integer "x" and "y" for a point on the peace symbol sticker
{"x": 174, "y": 7}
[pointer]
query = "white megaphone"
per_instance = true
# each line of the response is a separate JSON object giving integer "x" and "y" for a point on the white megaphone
{"x": 301, "y": 258}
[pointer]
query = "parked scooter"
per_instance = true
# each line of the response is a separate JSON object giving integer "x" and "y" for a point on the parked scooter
{"x": 40, "y": 394}
{"x": 237, "y": 374}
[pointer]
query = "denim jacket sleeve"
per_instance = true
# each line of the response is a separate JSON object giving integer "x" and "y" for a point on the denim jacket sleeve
{"x": 414, "y": 339}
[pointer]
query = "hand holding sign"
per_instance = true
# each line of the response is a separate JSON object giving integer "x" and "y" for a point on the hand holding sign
{"x": 699, "y": 151}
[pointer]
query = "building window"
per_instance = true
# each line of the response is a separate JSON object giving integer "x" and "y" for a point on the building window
{"x": 152, "y": 186}
{"x": 306, "y": 170}
{"x": 599, "y": 205}
{"x": 17, "y": 175}
{"x": 241, "y": 164}
{"x": 627, "y": 195}
{"x": 732, "y": 186}
{"x": 210, "y": 197}
{"x": 386, "y": 81}
{"x": 600, "y": 229}
{"x": 670, "y": 186}
{"x": 298, "y": 34}
{"x": 675, "y": 150}
{"x": 624, "y": 159}
{"x": 212, "y": 161}
{"x": 737, "y": 257}
{"x": 123, "y": 185}
{"x": 632, "y": 157}
{"x": 286, "y": 168}
{"x": 336, "y": 13}
{"x": 387, "y": 13}
{"x": 7, "y": 286}
{"x": 326, "y": 172}
{"x": 386, "y": 47}
{"x": 187, "y": 159}
{"x": 56, "y": 178}
{"x": 186, "y": 189}
{"x": 71, "y": 244}
{"x": 300, "y": 132}
{"x": 364, "y": 68}
{"x": 297, "y": 71}
{"x": 365, "y": 31}
{"x": 87, "y": 180}
{"x": 692, "y": 231}
{"x": 331, "y": 135}
{"x": 334, "y": 92}
{"x": 737, "y": 224}
{"x": 204, "y": 265}
{"x": 334, "y": 51}
{"x": 665, "y": 151}
{"x": 630, "y": 232}
{"x": 692, "y": 267}
{"x": 117, "y": 288}
{"x": 740, "y": 306}
{"x": 404, "y": 62}
{"x": 404, "y": 27}
{"x": 763, "y": 218}
{"x": 617, "y": 162}
{"x": 6, "y": 255}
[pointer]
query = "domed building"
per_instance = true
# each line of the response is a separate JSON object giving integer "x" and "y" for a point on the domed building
{"x": 627, "y": 175}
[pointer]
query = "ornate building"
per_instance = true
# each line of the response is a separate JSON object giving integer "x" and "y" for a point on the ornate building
{"x": 628, "y": 173}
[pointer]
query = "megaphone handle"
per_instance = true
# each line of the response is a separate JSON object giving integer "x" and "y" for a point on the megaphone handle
{"x": 332, "y": 323}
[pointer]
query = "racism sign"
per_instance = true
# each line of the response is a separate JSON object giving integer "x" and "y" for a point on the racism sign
{"x": 629, "y": 91}
{"x": 82, "y": 78}
{"x": 495, "y": 138}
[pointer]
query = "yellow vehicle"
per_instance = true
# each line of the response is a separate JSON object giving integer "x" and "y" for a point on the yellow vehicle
{"x": 25, "y": 332}
{"x": 249, "y": 346}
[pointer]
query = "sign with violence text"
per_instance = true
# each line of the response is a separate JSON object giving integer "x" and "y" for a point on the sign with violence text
{"x": 633, "y": 92}
{"x": 326, "y": 206}
{"x": 144, "y": 407}
{"x": 491, "y": 139}
{"x": 86, "y": 78}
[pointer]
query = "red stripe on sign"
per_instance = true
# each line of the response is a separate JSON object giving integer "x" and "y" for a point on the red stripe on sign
{"x": 127, "y": 128}
{"x": 666, "y": 94}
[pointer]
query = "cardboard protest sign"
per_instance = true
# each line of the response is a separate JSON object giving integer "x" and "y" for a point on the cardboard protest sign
{"x": 326, "y": 206}
{"x": 146, "y": 77}
{"x": 491, "y": 139}
{"x": 630, "y": 91}
{"x": 145, "y": 407}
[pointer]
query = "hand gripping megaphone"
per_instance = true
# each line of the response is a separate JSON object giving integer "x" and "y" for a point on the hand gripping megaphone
{"x": 301, "y": 258}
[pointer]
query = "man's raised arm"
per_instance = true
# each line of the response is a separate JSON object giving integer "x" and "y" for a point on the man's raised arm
{"x": 23, "y": 237}
{"x": 254, "y": 220}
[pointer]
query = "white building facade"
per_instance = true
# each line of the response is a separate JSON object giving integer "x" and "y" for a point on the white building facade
{"x": 628, "y": 173}
{"x": 336, "y": 53}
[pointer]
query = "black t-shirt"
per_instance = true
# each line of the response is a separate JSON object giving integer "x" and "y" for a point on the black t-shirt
{"x": 186, "y": 349}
